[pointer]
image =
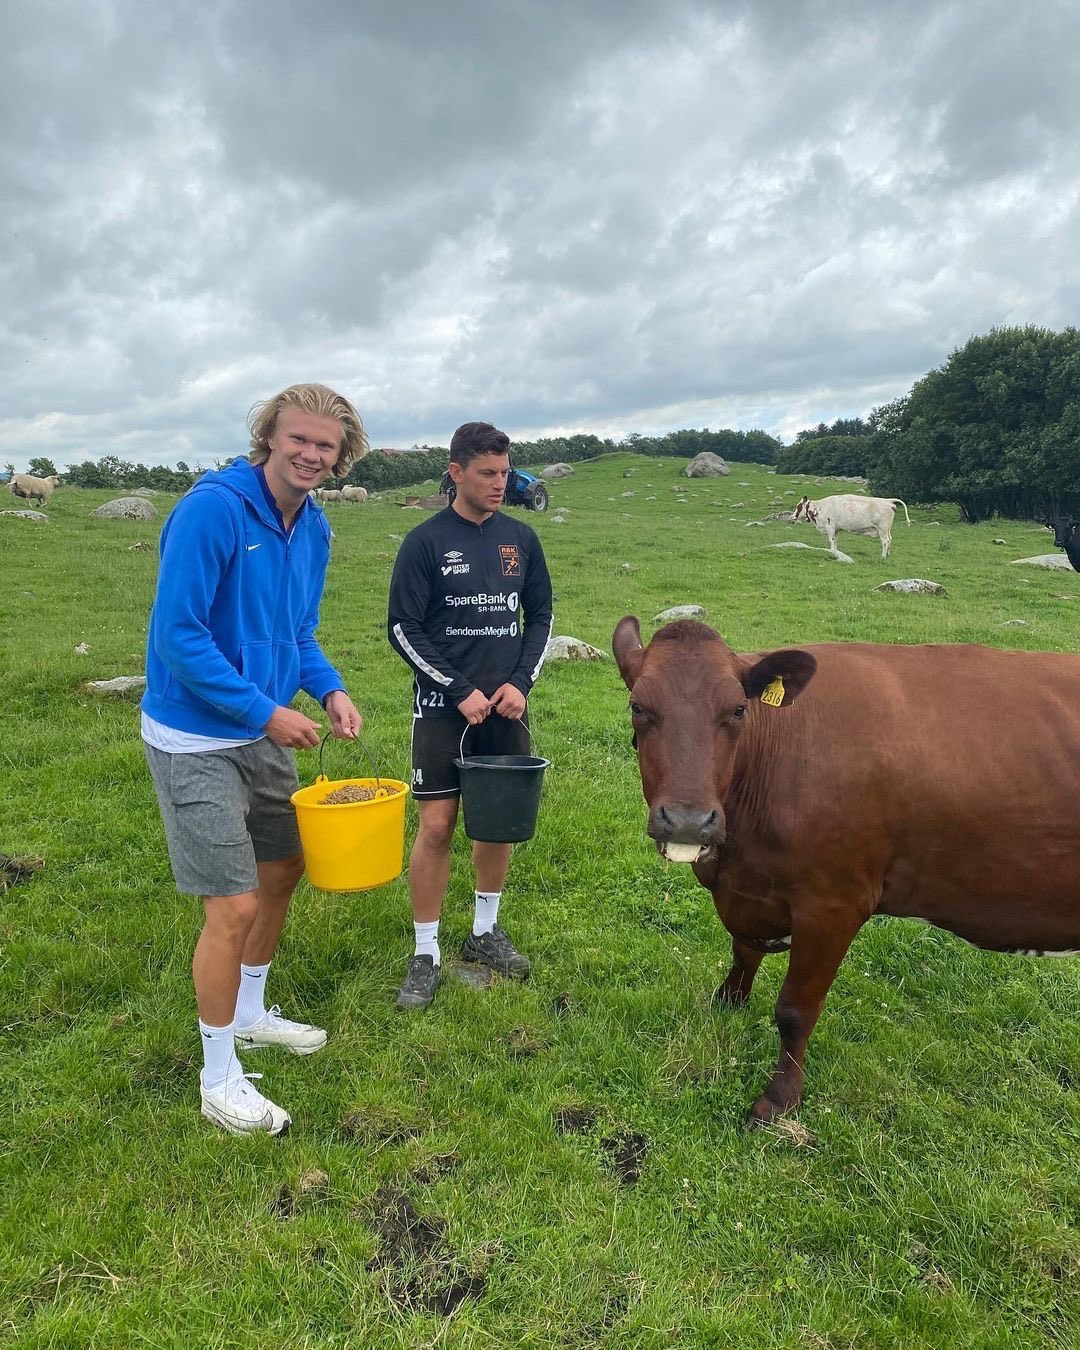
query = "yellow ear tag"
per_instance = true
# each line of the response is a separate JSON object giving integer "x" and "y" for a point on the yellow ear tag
{"x": 773, "y": 693}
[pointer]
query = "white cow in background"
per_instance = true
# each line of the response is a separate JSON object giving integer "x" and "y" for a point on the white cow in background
{"x": 858, "y": 515}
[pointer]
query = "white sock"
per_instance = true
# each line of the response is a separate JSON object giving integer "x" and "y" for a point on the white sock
{"x": 487, "y": 912}
{"x": 427, "y": 940}
{"x": 219, "y": 1055}
{"x": 250, "y": 997}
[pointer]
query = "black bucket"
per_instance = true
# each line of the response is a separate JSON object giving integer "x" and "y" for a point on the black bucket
{"x": 500, "y": 796}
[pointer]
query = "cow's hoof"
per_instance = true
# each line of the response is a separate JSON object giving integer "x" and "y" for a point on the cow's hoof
{"x": 726, "y": 997}
{"x": 765, "y": 1111}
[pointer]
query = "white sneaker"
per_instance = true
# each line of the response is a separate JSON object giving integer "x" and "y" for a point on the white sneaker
{"x": 239, "y": 1108}
{"x": 296, "y": 1037}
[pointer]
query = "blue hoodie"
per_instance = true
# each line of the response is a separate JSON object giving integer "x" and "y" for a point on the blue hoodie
{"x": 232, "y": 631}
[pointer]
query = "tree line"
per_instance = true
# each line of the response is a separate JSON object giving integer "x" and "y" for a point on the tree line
{"x": 995, "y": 429}
{"x": 379, "y": 472}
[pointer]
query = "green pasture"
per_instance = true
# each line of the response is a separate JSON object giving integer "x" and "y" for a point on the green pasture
{"x": 556, "y": 1164}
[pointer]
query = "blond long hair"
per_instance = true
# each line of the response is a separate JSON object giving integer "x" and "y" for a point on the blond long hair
{"x": 321, "y": 402}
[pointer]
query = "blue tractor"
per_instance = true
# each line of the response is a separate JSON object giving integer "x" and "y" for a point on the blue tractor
{"x": 522, "y": 489}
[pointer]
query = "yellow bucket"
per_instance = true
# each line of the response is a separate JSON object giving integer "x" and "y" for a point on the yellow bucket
{"x": 352, "y": 846}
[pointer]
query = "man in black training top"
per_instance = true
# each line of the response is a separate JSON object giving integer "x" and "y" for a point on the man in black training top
{"x": 460, "y": 583}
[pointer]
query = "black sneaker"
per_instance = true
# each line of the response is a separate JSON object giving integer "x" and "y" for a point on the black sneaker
{"x": 420, "y": 983}
{"x": 495, "y": 949}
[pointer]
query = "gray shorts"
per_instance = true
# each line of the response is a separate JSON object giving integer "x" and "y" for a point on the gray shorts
{"x": 224, "y": 811}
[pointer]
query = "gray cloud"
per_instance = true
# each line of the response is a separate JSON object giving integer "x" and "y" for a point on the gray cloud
{"x": 568, "y": 216}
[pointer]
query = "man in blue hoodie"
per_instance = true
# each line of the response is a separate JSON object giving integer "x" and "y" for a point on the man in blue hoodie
{"x": 232, "y": 639}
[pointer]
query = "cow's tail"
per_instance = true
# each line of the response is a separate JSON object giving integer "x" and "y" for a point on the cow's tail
{"x": 897, "y": 502}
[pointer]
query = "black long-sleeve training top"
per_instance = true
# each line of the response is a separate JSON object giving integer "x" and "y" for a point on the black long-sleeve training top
{"x": 456, "y": 598}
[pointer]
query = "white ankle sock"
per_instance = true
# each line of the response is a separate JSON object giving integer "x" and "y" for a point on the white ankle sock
{"x": 427, "y": 940}
{"x": 250, "y": 997}
{"x": 487, "y": 912}
{"x": 219, "y": 1055}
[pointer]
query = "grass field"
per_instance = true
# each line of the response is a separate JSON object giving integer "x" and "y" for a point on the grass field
{"x": 556, "y": 1164}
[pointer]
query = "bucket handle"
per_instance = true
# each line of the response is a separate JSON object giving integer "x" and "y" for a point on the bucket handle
{"x": 468, "y": 728}
{"x": 367, "y": 756}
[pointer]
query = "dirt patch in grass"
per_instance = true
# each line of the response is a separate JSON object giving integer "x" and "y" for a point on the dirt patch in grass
{"x": 930, "y": 1272}
{"x": 576, "y": 1119}
{"x": 625, "y": 1150}
{"x": 375, "y": 1125}
{"x": 14, "y": 870}
{"x": 626, "y": 1155}
{"x": 417, "y": 1266}
{"x": 522, "y": 1044}
{"x": 564, "y": 1005}
{"x": 167, "y": 1071}
{"x": 311, "y": 1187}
{"x": 439, "y": 1165}
{"x": 616, "y": 1303}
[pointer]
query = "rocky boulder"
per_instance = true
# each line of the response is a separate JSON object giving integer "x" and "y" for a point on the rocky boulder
{"x": 681, "y": 612}
{"x": 912, "y": 586}
{"x": 119, "y": 684}
{"x": 572, "y": 649}
{"x": 126, "y": 508}
{"x": 556, "y": 471}
{"x": 706, "y": 465}
{"x": 1056, "y": 562}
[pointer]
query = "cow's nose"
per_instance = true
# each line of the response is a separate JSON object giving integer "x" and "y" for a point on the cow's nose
{"x": 673, "y": 824}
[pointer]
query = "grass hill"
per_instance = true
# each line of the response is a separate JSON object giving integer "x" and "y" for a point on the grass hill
{"x": 556, "y": 1164}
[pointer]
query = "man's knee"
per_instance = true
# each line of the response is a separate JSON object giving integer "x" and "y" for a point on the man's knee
{"x": 438, "y": 821}
{"x": 231, "y": 916}
{"x": 283, "y": 872}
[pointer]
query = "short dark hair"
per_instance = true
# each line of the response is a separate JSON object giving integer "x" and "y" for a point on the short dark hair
{"x": 477, "y": 438}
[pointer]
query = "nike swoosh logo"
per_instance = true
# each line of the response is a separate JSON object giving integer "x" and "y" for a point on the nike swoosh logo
{"x": 253, "y": 546}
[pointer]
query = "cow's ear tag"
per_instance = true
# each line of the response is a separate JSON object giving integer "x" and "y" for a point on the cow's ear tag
{"x": 773, "y": 693}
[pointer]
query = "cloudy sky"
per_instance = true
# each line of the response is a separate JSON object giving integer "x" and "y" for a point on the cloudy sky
{"x": 557, "y": 215}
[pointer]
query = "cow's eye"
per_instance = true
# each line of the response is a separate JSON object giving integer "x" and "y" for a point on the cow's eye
{"x": 636, "y": 710}
{"x": 739, "y": 713}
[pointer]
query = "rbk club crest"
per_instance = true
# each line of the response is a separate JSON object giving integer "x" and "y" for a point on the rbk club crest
{"x": 509, "y": 560}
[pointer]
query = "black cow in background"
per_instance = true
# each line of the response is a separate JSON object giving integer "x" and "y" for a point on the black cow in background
{"x": 1067, "y": 536}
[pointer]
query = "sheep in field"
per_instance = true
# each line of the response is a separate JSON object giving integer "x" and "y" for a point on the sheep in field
{"x": 25, "y": 485}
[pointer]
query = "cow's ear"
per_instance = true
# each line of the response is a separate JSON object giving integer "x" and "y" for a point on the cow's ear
{"x": 795, "y": 668}
{"x": 629, "y": 653}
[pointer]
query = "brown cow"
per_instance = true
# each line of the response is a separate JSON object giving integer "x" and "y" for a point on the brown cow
{"x": 934, "y": 782}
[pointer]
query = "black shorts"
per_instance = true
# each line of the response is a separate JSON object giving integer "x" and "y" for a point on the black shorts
{"x": 436, "y": 743}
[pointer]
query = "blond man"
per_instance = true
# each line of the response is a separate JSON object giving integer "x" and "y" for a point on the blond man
{"x": 232, "y": 639}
